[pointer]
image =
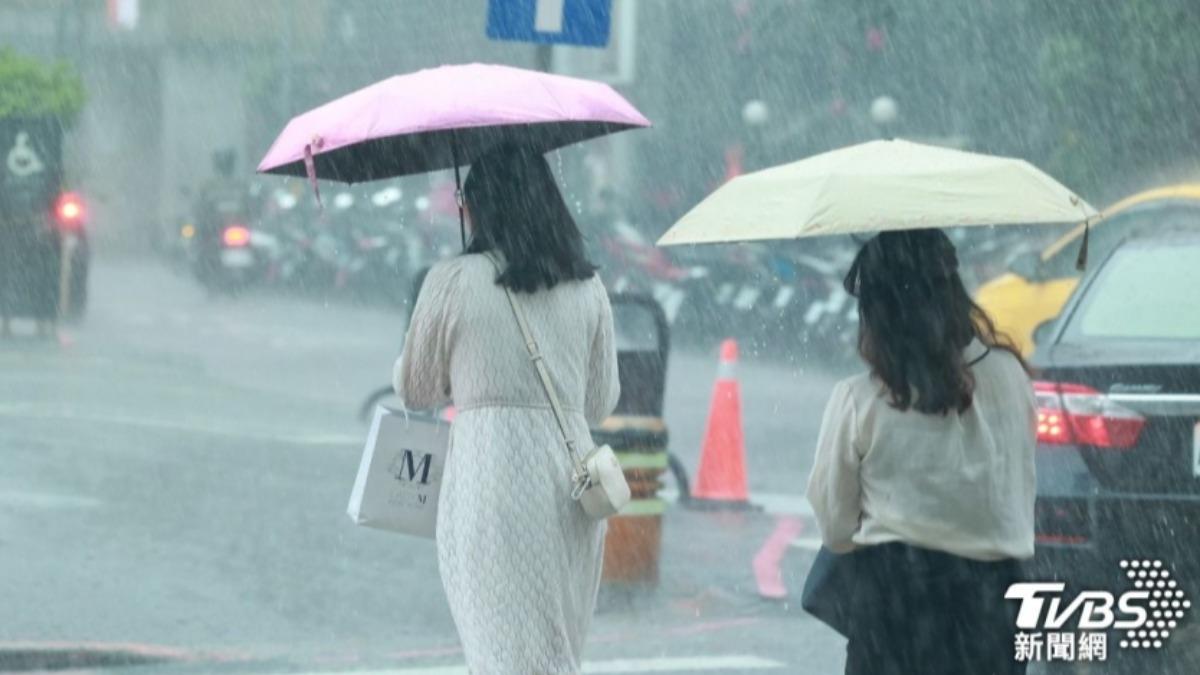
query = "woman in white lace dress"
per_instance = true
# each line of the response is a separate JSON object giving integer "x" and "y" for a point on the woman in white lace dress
{"x": 519, "y": 560}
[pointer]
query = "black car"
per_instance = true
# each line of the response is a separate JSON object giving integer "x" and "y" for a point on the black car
{"x": 1118, "y": 393}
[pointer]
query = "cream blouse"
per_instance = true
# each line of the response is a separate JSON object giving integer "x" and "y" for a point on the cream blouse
{"x": 962, "y": 483}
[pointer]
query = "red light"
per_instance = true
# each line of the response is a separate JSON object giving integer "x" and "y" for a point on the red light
{"x": 1074, "y": 413}
{"x": 1067, "y": 539}
{"x": 69, "y": 210}
{"x": 236, "y": 236}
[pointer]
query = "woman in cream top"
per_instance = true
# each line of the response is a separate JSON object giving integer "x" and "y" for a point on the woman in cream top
{"x": 924, "y": 469}
{"x": 961, "y": 483}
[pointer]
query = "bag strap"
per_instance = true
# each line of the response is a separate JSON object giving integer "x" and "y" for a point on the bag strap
{"x": 539, "y": 364}
{"x": 987, "y": 350}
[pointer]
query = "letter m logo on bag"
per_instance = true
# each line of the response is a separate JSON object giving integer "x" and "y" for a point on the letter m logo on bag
{"x": 405, "y": 467}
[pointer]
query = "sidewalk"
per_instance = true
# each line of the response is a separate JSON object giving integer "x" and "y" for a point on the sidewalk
{"x": 708, "y": 603}
{"x": 705, "y": 616}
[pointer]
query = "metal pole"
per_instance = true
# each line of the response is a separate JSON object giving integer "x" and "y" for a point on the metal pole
{"x": 66, "y": 254}
{"x": 60, "y": 31}
{"x": 544, "y": 58}
{"x": 287, "y": 63}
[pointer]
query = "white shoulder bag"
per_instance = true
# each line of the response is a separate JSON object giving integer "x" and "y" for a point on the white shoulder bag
{"x": 598, "y": 482}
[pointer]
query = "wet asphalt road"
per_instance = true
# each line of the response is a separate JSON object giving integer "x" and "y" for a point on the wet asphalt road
{"x": 173, "y": 482}
{"x": 174, "y": 475}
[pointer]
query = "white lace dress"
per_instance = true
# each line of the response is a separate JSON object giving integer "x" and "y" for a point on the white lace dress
{"x": 519, "y": 560}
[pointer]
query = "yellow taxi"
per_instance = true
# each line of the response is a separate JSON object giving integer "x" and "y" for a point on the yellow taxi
{"x": 1037, "y": 285}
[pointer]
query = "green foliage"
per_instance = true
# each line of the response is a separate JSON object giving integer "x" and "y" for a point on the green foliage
{"x": 1120, "y": 82}
{"x": 1162, "y": 73}
{"x": 1099, "y": 93}
{"x": 1069, "y": 70}
{"x": 30, "y": 88}
{"x": 1071, "y": 74}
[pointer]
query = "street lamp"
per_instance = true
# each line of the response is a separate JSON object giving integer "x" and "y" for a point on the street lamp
{"x": 755, "y": 113}
{"x": 884, "y": 112}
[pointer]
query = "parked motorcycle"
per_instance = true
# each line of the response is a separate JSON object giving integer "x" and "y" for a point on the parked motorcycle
{"x": 388, "y": 249}
{"x": 630, "y": 262}
{"x": 779, "y": 298}
{"x": 364, "y": 244}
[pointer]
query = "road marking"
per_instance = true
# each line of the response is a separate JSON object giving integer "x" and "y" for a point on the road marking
{"x": 766, "y": 564}
{"x": 626, "y": 635}
{"x": 46, "y": 500}
{"x": 682, "y": 664}
{"x": 689, "y": 664}
{"x": 29, "y": 412}
{"x": 781, "y": 504}
{"x": 773, "y": 503}
{"x": 809, "y": 543}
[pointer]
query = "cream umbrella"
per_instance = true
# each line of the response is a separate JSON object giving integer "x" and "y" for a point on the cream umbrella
{"x": 877, "y": 186}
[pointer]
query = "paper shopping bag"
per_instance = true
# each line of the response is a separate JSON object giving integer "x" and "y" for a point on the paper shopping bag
{"x": 400, "y": 475}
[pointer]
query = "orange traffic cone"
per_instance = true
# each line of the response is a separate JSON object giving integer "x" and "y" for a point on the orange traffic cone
{"x": 721, "y": 480}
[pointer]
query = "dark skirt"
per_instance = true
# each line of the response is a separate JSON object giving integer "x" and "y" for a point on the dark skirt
{"x": 918, "y": 611}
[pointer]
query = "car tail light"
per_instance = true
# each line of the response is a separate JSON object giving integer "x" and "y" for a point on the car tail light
{"x": 236, "y": 236}
{"x": 1077, "y": 414}
{"x": 69, "y": 211}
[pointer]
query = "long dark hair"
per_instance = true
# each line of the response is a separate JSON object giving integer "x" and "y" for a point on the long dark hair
{"x": 915, "y": 319}
{"x": 517, "y": 209}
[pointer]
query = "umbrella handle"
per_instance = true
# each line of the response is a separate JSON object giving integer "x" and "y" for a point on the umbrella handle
{"x": 458, "y": 193}
{"x": 310, "y": 168}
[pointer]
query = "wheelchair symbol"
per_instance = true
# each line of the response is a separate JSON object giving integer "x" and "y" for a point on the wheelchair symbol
{"x": 22, "y": 160}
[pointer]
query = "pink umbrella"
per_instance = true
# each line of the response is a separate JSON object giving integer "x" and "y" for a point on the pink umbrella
{"x": 442, "y": 118}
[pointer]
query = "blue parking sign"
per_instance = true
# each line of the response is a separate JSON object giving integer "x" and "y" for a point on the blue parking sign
{"x": 573, "y": 22}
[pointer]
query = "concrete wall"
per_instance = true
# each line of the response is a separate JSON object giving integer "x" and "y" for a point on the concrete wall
{"x": 117, "y": 148}
{"x": 203, "y": 111}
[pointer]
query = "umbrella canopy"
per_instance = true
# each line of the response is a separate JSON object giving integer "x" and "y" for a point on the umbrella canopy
{"x": 445, "y": 117}
{"x": 876, "y": 186}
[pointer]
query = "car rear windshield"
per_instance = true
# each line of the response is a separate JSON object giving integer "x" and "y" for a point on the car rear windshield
{"x": 1144, "y": 291}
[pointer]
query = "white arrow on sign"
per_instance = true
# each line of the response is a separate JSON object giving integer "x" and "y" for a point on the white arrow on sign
{"x": 549, "y": 16}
